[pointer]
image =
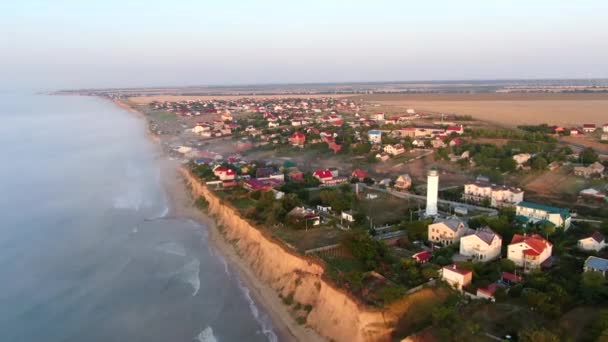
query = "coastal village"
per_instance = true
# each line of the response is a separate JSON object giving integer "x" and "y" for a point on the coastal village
{"x": 506, "y": 227}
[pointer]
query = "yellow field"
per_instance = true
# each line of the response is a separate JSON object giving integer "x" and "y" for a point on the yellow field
{"x": 507, "y": 109}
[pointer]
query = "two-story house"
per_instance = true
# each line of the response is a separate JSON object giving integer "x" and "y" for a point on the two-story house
{"x": 483, "y": 246}
{"x": 448, "y": 231}
{"x": 535, "y": 212}
{"x": 529, "y": 251}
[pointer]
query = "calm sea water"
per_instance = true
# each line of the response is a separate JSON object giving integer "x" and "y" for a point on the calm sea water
{"x": 85, "y": 252}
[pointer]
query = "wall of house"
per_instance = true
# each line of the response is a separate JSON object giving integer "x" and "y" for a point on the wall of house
{"x": 471, "y": 245}
{"x": 515, "y": 254}
{"x": 455, "y": 279}
{"x": 589, "y": 244}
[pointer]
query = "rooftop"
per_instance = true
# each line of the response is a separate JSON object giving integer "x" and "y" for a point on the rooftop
{"x": 597, "y": 263}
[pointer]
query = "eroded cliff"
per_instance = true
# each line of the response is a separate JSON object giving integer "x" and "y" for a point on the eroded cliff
{"x": 331, "y": 312}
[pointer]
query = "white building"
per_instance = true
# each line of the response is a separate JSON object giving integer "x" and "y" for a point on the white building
{"x": 595, "y": 264}
{"x": 498, "y": 196}
{"x": 348, "y": 215}
{"x": 595, "y": 242}
{"x": 375, "y": 136}
{"x": 448, "y": 231}
{"x": 395, "y": 149}
{"x": 377, "y": 116}
{"x": 534, "y": 212}
{"x": 456, "y": 277}
{"x": 529, "y": 251}
{"x": 432, "y": 189}
{"x": 521, "y": 159}
{"x": 482, "y": 246}
{"x": 605, "y": 128}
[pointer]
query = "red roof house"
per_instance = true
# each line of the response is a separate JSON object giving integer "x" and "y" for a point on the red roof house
{"x": 359, "y": 174}
{"x": 422, "y": 257}
{"x": 297, "y": 139}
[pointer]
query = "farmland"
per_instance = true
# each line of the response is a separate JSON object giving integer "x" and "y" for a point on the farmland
{"x": 506, "y": 109}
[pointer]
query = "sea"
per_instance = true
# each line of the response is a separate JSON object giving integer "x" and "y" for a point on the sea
{"x": 87, "y": 251}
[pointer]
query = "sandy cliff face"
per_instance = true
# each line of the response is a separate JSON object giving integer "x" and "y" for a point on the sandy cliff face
{"x": 334, "y": 314}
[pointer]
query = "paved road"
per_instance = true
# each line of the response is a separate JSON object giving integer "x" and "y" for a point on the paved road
{"x": 601, "y": 152}
{"x": 490, "y": 211}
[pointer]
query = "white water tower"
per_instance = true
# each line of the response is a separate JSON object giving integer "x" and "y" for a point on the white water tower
{"x": 432, "y": 188}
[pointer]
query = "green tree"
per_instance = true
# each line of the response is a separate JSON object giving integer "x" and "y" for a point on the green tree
{"x": 588, "y": 156}
{"x": 593, "y": 286}
{"x": 539, "y": 163}
{"x": 507, "y": 164}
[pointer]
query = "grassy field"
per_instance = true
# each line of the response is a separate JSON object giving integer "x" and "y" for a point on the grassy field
{"x": 506, "y": 109}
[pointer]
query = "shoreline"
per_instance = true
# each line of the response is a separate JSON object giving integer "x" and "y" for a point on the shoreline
{"x": 181, "y": 205}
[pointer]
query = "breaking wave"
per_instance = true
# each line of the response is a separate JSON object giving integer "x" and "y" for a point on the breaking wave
{"x": 263, "y": 321}
{"x": 206, "y": 336}
{"x": 190, "y": 275}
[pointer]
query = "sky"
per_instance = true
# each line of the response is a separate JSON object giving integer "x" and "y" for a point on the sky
{"x": 60, "y": 44}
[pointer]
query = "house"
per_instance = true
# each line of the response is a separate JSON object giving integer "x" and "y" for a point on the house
{"x": 226, "y": 117}
{"x": 510, "y": 278}
{"x": 183, "y": 149}
{"x": 348, "y": 215}
{"x": 575, "y": 131}
{"x": 323, "y": 175}
{"x": 295, "y": 176}
{"x": 487, "y": 292}
{"x": 323, "y": 209}
{"x": 457, "y": 277}
{"x": 438, "y": 143}
{"x": 302, "y": 214}
{"x": 359, "y": 174}
{"x": 224, "y": 173}
{"x": 595, "y": 242}
{"x": 604, "y": 137}
{"x": 454, "y": 129}
{"x": 605, "y": 128}
{"x": 422, "y": 257}
{"x": 383, "y": 156}
{"x": 403, "y": 182}
{"x": 535, "y": 212}
{"x": 329, "y": 177}
{"x": 254, "y": 184}
{"x": 456, "y": 142}
{"x": 297, "y": 139}
{"x": 377, "y": 116}
{"x": 482, "y": 246}
{"x": 395, "y": 149}
{"x": 553, "y": 166}
{"x": 374, "y": 136}
{"x": 521, "y": 159}
{"x": 595, "y": 264}
{"x": 529, "y": 251}
{"x": 587, "y": 171}
{"x": 497, "y": 196}
{"x": 448, "y": 231}
{"x": 592, "y": 194}
{"x": 589, "y": 128}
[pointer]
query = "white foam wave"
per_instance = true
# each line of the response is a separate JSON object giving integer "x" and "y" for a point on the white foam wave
{"x": 263, "y": 321}
{"x": 206, "y": 335}
{"x": 190, "y": 275}
{"x": 172, "y": 248}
